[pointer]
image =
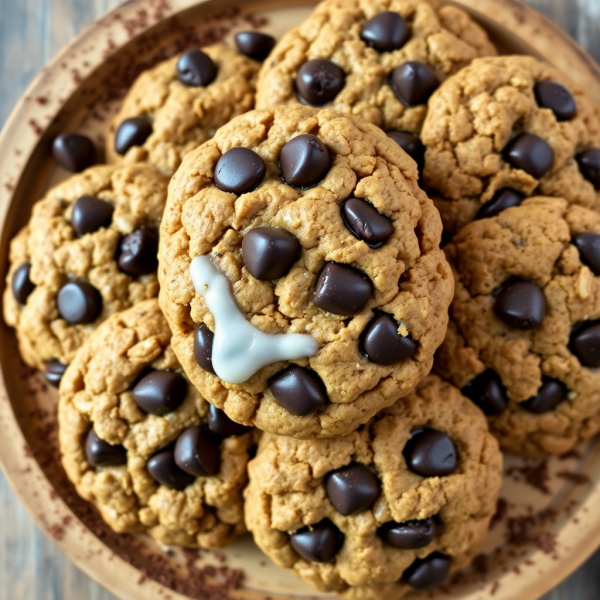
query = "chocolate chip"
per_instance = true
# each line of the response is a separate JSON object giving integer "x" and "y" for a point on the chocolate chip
{"x": 197, "y": 453}
{"x": 220, "y": 424}
{"x": 414, "y": 82}
{"x": 318, "y": 543}
{"x": 503, "y": 199}
{"x": 585, "y": 344}
{"x": 382, "y": 343}
{"x": 588, "y": 245}
{"x": 411, "y": 144}
{"x": 299, "y": 390}
{"x": 20, "y": 283}
{"x": 410, "y": 535}
{"x": 319, "y": 81}
{"x": 589, "y": 165}
{"x": 99, "y": 453}
{"x": 79, "y": 302}
{"x": 239, "y": 170}
{"x": 530, "y": 153}
{"x": 428, "y": 573}
{"x": 254, "y": 44}
{"x": 132, "y": 132}
{"x": 74, "y": 152}
{"x": 352, "y": 489}
{"x": 521, "y": 304}
{"x": 304, "y": 161}
{"x": 203, "y": 344}
{"x": 556, "y": 97}
{"x": 196, "y": 69}
{"x": 160, "y": 392}
{"x": 487, "y": 392}
{"x": 342, "y": 290}
{"x": 385, "y": 32}
{"x": 366, "y": 223}
{"x": 269, "y": 253}
{"x": 90, "y": 214}
{"x": 431, "y": 453}
{"x": 54, "y": 371}
{"x": 549, "y": 396}
{"x": 164, "y": 470}
{"x": 138, "y": 253}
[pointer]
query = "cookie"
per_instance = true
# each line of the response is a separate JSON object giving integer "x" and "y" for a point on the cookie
{"x": 505, "y": 128}
{"x": 377, "y": 59}
{"x": 396, "y": 505}
{"x": 524, "y": 335}
{"x": 139, "y": 442}
{"x": 300, "y": 271}
{"x": 179, "y": 104}
{"x": 88, "y": 251}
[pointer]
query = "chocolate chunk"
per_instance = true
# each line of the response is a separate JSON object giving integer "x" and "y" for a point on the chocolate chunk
{"x": 299, "y": 390}
{"x": 556, "y": 97}
{"x": 197, "y": 453}
{"x": 220, "y": 424}
{"x": 79, "y": 302}
{"x": 54, "y": 371}
{"x": 521, "y": 304}
{"x": 411, "y": 144}
{"x": 382, "y": 343}
{"x": 203, "y": 344}
{"x": 318, "y": 543}
{"x": 138, "y": 253}
{"x": 319, "y": 81}
{"x": 386, "y": 32}
{"x": 588, "y": 245}
{"x": 20, "y": 283}
{"x": 503, "y": 199}
{"x": 352, "y": 489}
{"x": 99, "y": 453}
{"x": 90, "y": 214}
{"x": 239, "y": 171}
{"x": 428, "y": 573}
{"x": 269, "y": 253}
{"x": 366, "y": 223}
{"x": 410, "y": 535}
{"x": 160, "y": 392}
{"x": 132, "y": 132}
{"x": 549, "y": 396}
{"x": 589, "y": 165}
{"x": 585, "y": 344}
{"x": 254, "y": 44}
{"x": 431, "y": 453}
{"x": 304, "y": 161}
{"x": 164, "y": 470}
{"x": 530, "y": 153}
{"x": 342, "y": 290}
{"x": 73, "y": 152}
{"x": 487, "y": 392}
{"x": 414, "y": 82}
{"x": 196, "y": 69}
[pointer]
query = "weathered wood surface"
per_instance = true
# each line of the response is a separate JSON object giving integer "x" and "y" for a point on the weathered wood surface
{"x": 31, "y": 32}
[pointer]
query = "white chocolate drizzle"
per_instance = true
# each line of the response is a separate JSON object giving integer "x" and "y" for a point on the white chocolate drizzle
{"x": 240, "y": 349}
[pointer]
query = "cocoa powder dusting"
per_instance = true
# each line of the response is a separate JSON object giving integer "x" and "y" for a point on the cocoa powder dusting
{"x": 535, "y": 473}
{"x": 575, "y": 478}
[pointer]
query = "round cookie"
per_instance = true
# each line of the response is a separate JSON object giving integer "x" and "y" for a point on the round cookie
{"x": 179, "y": 104}
{"x": 376, "y": 59}
{"x": 524, "y": 334}
{"x": 370, "y": 301}
{"x": 137, "y": 441}
{"x": 88, "y": 251}
{"x": 393, "y": 506}
{"x": 505, "y": 128}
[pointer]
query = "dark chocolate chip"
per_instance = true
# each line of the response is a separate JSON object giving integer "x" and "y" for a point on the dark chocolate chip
{"x": 299, "y": 390}
{"x": 428, "y": 573}
{"x": 220, "y": 424}
{"x": 304, "y": 161}
{"x": 411, "y": 144}
{"x": 20, "y": 283}
{"x": 410, "y": 535}
{"x": 160, "y": 392}
{"x": 318, "y": 543}
{"x": 269, "y": 253}
{"x": 54, "y": 371}
{"x": 342, "y": 290}
{"x": 503, "y": 199}
{"x": 588, "y": 245}
{"x": 549, "y": 396}
{"x": 203, "y": 344}
{"x": 90, "y": 214}
{"x": 239, "y": 170}
{"x": 132, "y": 132}
{"x": 254, "y": 44}
{"x": 138, "y": 253}
{"x": 585, "y": 344}
{"x": 74, "y": 152}
{"x": 521, "y": 304}
{"x": 530, "y": 153}
{"x": 589, "y": 165}
{"x": 99, "y": 453}
{"x": 196, "y": 69}
{"x": 414, "y": 82}
{"x": 197, "y": 452}
{"x": 79, "y": 302}
{"x": 386, "y": 32}
{"x": 431, "y": 453}
{"x": 382, "y": 343}
{"x": 556, "y": 97}
{"x": 352, "y": 489}
{"x": 487, "y": 392}
{"x": 366, "y": 223}
{"x": 319, "y": 81}
{"x": 164, "y": 470}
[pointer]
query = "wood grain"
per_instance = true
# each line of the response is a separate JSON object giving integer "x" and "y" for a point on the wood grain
{"x": 31, "y": 32}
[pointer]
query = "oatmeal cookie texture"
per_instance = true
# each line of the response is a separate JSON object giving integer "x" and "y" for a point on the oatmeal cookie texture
{"x": 179, "y": 104}
{"x": 88, "y": 251}
{"x": 124, "y": 402}
{"x": 399, "y": 518}
{"x": 524, "y": 335}
{"x": 505, "y": 128}
{"x": 376, "y": 59}
{"x": 357, "y": 266}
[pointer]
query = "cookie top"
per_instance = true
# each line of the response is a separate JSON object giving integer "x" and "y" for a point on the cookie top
{"x": 138, "y": 440}
{"x": 393, "y": 506}
{"x": 294, "y": 220}
{"x": 88, "y": 251}
{"x": 376, "y": 59}
{"x": 179, "y": 104}
{"x": 524, "y": 334}
{"x": 505, "y": 128}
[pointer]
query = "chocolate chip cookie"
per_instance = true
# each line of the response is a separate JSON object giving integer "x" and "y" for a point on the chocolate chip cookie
{"x": 300, "y": 271}
{"x": 505, "y": 128}
{"x": 394, "y": 506}
{"x": 179, "y": 104}
{"x": 524, "y": 335}
{"x": 139, "y": 442}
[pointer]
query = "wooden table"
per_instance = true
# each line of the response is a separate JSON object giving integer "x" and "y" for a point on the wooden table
{"x": 31, "y": 32}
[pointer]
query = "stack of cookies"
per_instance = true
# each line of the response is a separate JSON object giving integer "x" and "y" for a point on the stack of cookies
{"x": 274, "y": 278}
